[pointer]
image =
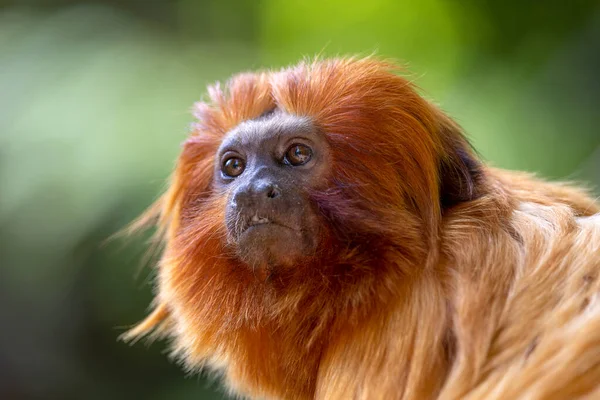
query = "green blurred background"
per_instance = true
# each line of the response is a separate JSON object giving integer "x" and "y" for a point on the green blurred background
{"x": 94, "y": 103}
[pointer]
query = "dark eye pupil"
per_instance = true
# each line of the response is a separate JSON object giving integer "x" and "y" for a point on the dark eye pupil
{"x": 233, "y": 167}
{"x": 298, "y": 154}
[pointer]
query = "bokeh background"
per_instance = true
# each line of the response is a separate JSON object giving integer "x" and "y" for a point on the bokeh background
{"x": 94, "y": 103}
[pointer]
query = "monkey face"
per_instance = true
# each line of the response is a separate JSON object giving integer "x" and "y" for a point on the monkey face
{"x": 268, "y": 166}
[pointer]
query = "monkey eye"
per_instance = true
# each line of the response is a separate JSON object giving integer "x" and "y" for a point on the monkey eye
{"x": 233, "y": 167}
{"x": 297, "y": 154}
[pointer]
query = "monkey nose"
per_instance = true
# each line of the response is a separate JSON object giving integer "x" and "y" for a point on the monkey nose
{"x": 268, "y": 189}
{"x": 256, "y": 194}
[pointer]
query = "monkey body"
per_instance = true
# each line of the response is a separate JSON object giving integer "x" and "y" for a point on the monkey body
{"x": 330, "y": 234}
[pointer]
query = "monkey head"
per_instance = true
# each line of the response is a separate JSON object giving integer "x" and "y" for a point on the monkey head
{"x": 300, "y": 196}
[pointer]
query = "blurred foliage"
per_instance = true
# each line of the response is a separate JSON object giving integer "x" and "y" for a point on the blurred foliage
{"x": 94, "y": 100}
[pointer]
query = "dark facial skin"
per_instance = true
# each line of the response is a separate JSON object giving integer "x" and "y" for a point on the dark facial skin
{"x": 267, "y": 165}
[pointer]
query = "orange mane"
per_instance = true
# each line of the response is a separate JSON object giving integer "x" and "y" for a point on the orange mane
{"x": 412, "y": 277}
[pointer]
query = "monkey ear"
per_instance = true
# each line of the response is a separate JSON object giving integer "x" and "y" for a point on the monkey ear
{"x": 461, "y": 173}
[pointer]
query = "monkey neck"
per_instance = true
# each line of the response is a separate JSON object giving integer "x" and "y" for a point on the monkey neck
{"x": 278, "y": 340}
{"x": 276, "y": 337}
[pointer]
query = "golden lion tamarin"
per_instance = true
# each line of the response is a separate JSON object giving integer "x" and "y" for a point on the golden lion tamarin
{"x": 330, "y": 234}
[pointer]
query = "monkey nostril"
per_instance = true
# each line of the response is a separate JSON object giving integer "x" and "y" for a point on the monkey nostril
{"x": 273, "y": 192}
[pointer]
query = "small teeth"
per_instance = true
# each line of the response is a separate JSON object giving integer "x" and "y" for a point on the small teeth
{"x": 259, "y": 220}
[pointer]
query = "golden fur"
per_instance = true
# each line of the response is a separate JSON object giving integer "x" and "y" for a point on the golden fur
{"x": 461, "y": 281}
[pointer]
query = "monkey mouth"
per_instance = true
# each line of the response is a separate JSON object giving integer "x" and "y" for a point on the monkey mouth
{"x": 247, "y": 224}
{"x": 256, "y": 220}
